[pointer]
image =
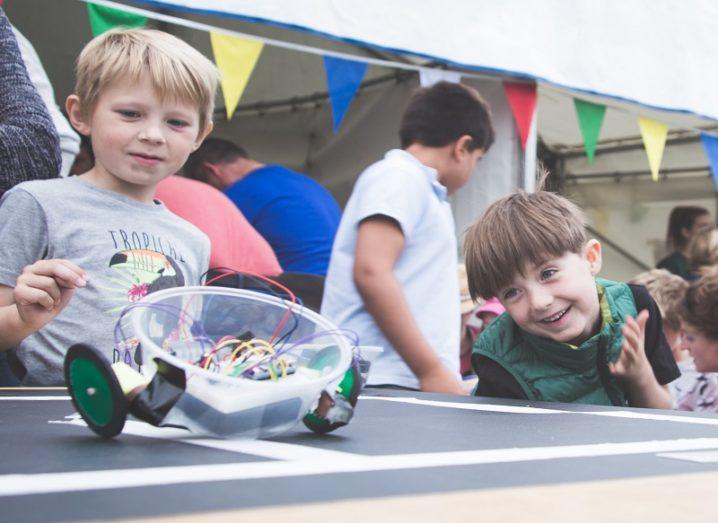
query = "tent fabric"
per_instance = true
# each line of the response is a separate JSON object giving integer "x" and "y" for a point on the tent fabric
{"x": 651, "y": 52}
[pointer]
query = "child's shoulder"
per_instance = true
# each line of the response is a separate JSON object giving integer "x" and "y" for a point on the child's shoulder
{"x": 397, "y": 169}
{"x": 42, "y": 192}
{"x": 502, "y": 334}
{"x": 42, "y": 187}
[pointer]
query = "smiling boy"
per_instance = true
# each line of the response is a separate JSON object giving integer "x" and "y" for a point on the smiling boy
{"x": 145, "y": 99}
{"x": 566, "y": 336}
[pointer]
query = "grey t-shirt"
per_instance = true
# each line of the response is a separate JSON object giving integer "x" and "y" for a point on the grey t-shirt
{"x": 127, "y": 248}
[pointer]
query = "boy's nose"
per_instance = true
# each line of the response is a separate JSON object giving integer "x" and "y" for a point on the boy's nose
{"x": 683, "y": 343}
{"x": 151, "y": 133}
{"x": 539, "y": 299}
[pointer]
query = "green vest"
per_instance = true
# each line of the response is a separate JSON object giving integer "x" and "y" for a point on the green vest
{"x": 548, "y": 370}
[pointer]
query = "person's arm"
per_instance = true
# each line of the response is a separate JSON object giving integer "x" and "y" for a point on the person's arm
{"x": 380, "y": 242}
{"x": 633, "y": 368}
{"x": 69, "y": 139}
{"x": 42, "y": 291}
{"x": 29, "y": 145}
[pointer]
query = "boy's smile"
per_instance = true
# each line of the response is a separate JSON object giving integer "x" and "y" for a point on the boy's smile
{"x": 557, "y": 299}
{"x": 137, "y": 137}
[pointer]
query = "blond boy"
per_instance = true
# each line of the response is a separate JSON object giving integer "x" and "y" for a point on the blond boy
{"x": 566, "y": 336}
{"x": 145, "y": 99}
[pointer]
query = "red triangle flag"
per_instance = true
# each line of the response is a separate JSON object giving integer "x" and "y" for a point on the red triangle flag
{"x": 522, "y": 99}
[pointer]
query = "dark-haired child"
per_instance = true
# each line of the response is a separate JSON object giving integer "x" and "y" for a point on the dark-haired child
{"x": 392, "y": 275}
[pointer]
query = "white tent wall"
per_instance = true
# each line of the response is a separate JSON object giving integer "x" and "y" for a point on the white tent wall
{"x": 651, "y": 51}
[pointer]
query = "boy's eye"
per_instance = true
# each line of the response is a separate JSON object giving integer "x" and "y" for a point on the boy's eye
{"x": 176, "y": 122}
{"x": 547, "y": 273}
{"x": 510, "y": 293}
{"x": 128, "y": 113}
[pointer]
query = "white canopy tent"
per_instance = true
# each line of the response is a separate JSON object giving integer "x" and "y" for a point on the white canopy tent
{"x": 640, "y": 58}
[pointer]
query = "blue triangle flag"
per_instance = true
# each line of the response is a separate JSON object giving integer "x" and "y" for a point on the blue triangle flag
{"x": 343, "y": 80}
{"x": 710, "y": 145}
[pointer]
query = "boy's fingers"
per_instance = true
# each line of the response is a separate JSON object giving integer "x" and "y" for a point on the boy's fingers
{"x": 67, "y": 273}
{"x": 642, "y": 319}
{"x": 632, "y": 324}
{"x": 44, "y": 284}
{"x": 615, "y": 368}
{"x": 32, "y": 296}
{"x": 630, "y": 338}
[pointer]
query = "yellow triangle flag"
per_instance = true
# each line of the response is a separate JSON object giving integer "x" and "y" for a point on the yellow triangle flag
{"x": 235, "y": 58}
{"x": 654, "y": 136}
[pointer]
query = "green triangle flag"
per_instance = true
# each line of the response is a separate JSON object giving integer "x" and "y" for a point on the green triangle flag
{"x": 590, "y": 119}
{"x": 105, "y": 18}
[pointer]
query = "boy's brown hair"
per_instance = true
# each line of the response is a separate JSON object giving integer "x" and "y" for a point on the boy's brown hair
{"x": 174, "y": 68}
{"x": 441, "y": 114}
{"x": 700, "y": 306}
{"x": 214, "y": 151}
{"x": 668, "y": 291}
{"x": 517, "y": 229}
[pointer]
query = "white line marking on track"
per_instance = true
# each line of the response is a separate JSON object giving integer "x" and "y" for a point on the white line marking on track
{"x": 35, "y": 398}
{"x": 24, "y": 484}
{"x": 537, "y": 410}
{"x": 469, "y": 406}
{"x": 654, "y": 417}
{"x": 706, "y": 456}
{"x": 263, "y": 448}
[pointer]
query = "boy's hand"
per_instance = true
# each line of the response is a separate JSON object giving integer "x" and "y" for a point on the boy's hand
{"x": 44, "y": 288}
{"x": 441, "y": 380}
{"x": 632, "y": 364}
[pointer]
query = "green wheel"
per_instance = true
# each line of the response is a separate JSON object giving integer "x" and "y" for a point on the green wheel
{"x": 95, "y": 390}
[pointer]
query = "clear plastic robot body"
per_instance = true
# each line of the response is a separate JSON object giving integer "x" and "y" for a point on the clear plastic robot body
{"x": 218, "y": 361}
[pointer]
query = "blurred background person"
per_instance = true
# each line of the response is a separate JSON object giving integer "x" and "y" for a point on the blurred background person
{"x": 294, "y": 213}
{"x": 683, "y": 223}
{"x": 702, "y": 252}
{"x": 699, "y": 315}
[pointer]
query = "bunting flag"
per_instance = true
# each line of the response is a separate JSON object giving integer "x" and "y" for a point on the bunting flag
{"x": 428, "y": 76}
{"x": 654, "y": 140}
{"x": 235, "y": 58}
{"x": 103, "y": 19}
{"x": 590, "y": 120}
{"x": 522, "y": 100}
{"x": 710, "y": 145}
{"x": 343, "y": 79}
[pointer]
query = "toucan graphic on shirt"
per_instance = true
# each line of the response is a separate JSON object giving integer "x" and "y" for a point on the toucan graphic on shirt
{"x": 141, "y": 272}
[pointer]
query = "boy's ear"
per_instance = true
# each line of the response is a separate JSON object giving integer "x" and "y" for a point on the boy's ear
{"x": 76, "y": 116}
{"x": 210, "y": 167}
{"x": 462, "y": 145}
{"x": 592, "y": 254}
{"x": 200, "y": 138}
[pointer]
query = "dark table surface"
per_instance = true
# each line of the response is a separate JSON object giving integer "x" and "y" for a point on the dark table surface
{"x": 53, "y": 468}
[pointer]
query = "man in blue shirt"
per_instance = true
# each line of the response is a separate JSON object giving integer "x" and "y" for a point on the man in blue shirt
{"x": 295, "y": 214}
